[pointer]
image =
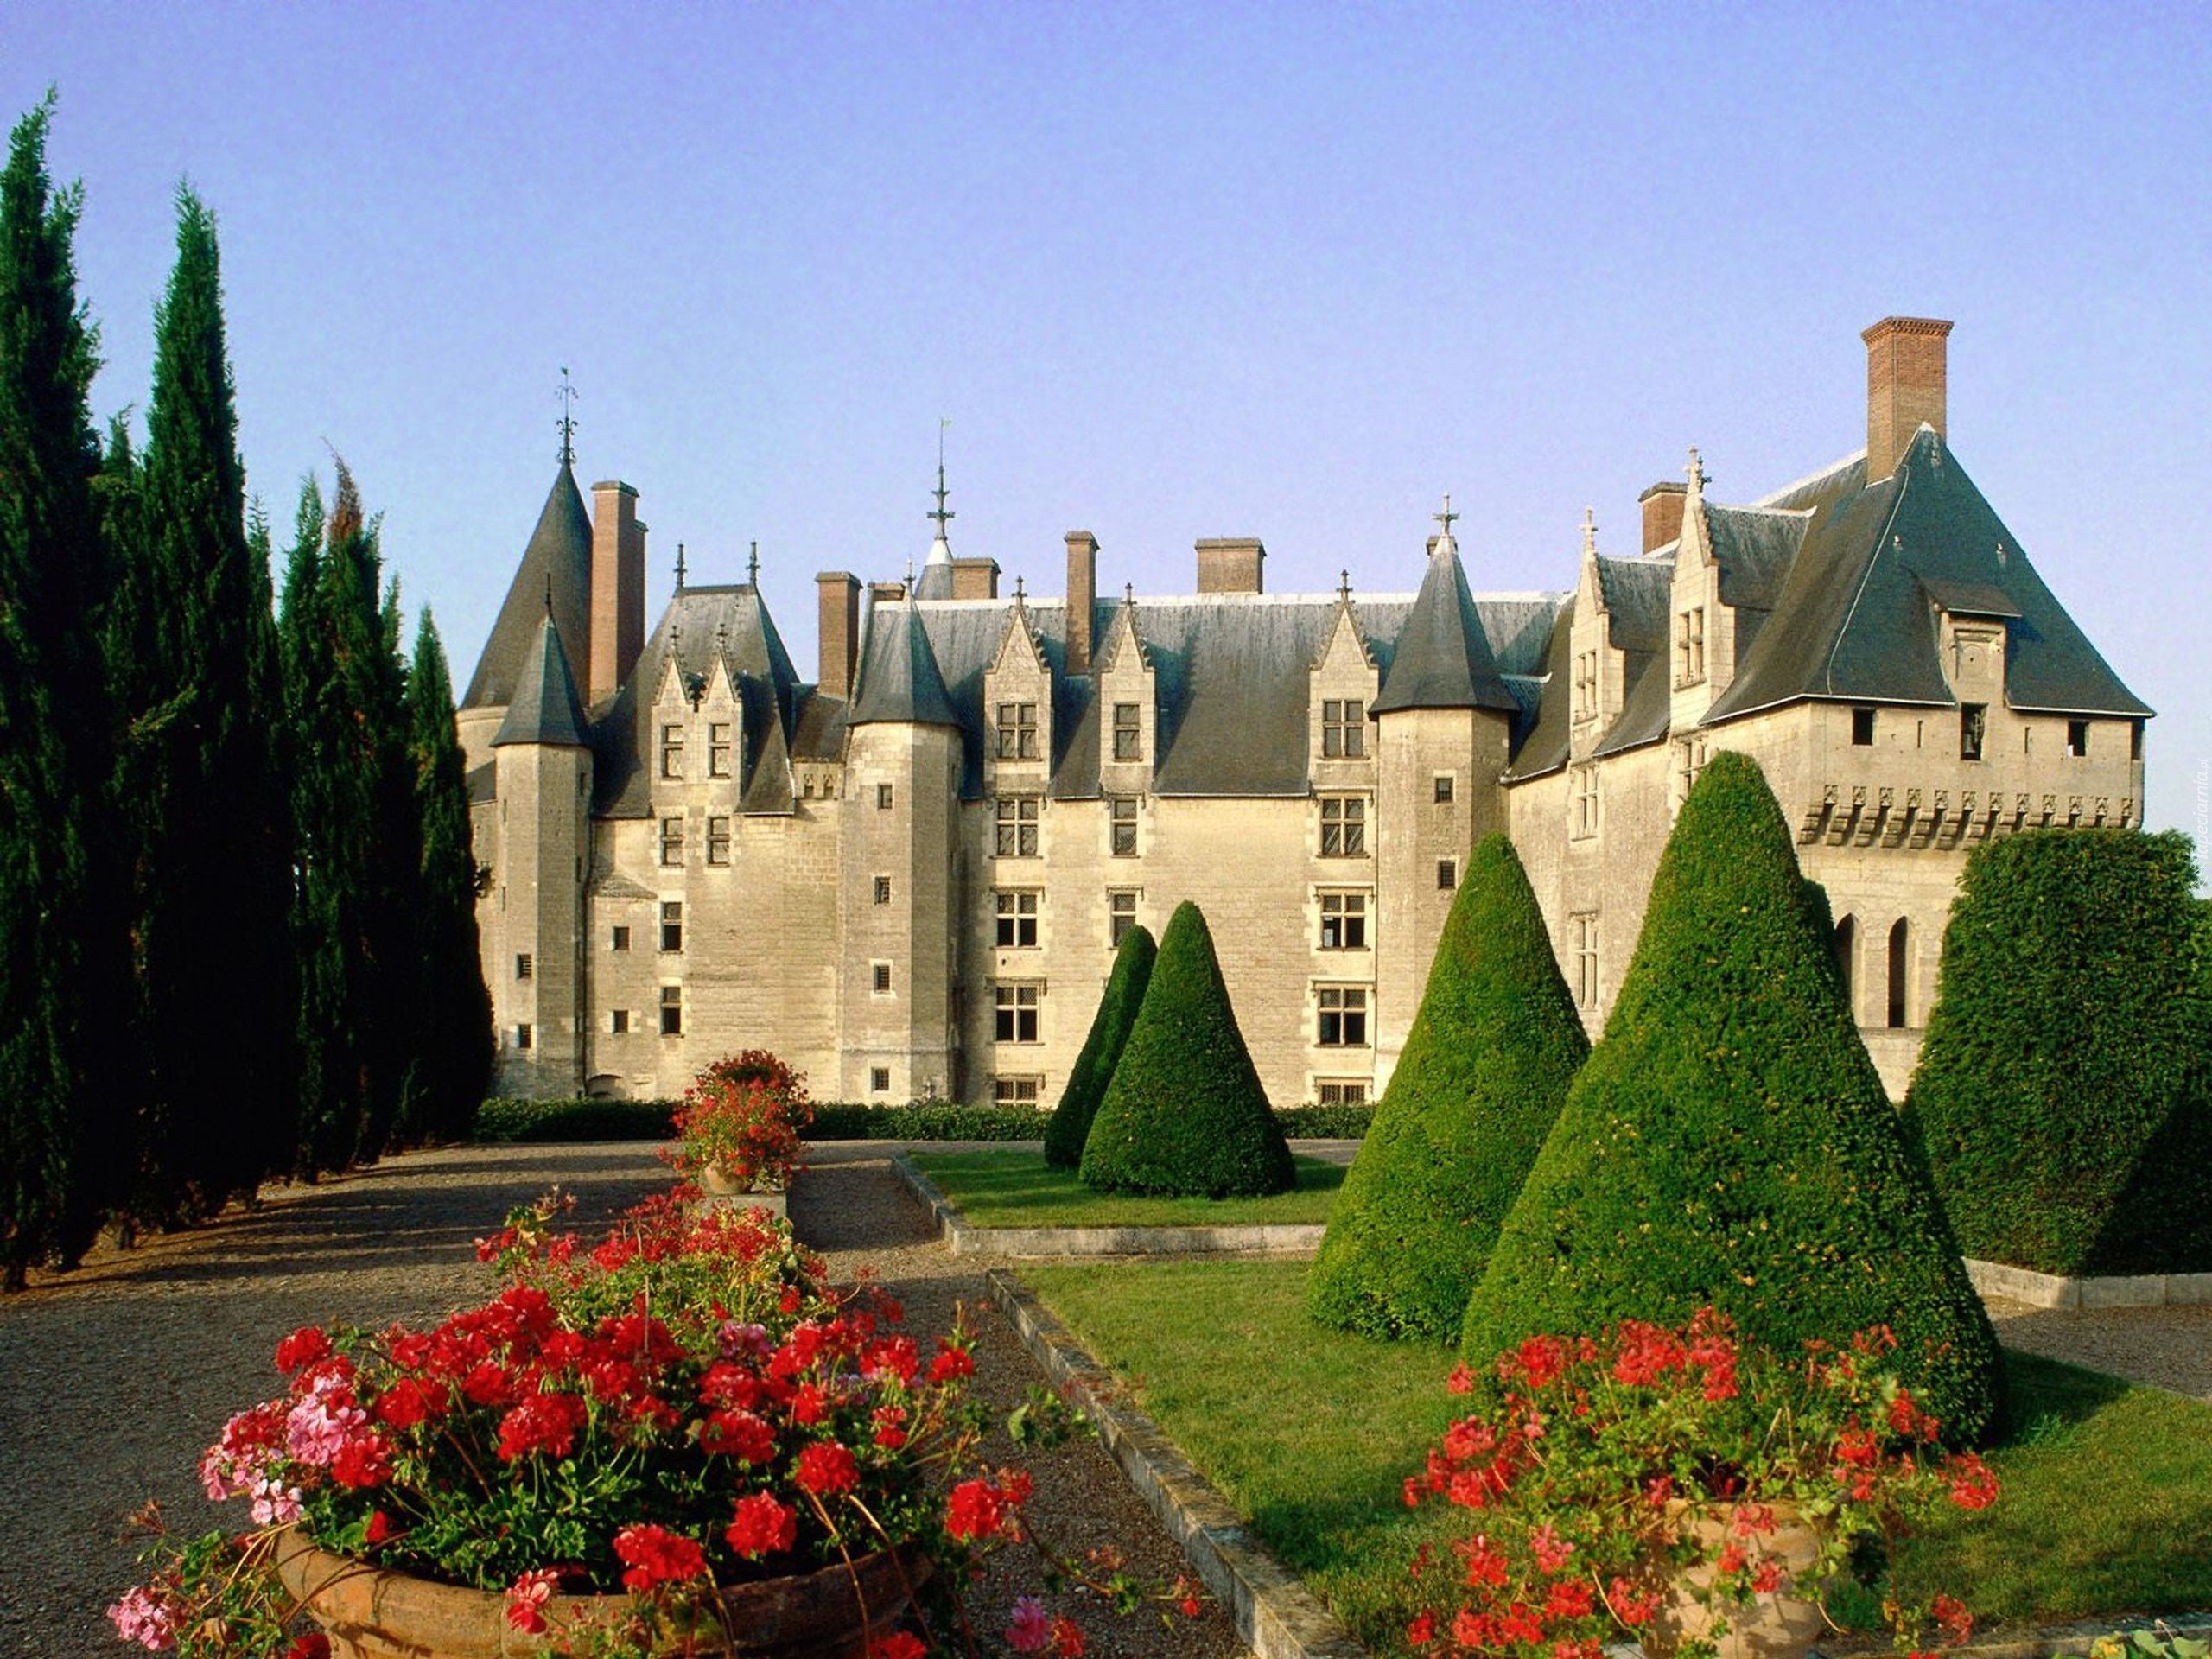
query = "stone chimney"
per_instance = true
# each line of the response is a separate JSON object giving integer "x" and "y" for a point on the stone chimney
{"x": 1082, "y": 597}
{"x": 838, "y": 596}
{"x": 887, "y": 592}
{"x": 1905, "y": 373}
{"x": 1229, "y": 564}
{"x": 975, "y": 578}
{"x": 1663, "y": 513}
{"x": 618, "y": 590}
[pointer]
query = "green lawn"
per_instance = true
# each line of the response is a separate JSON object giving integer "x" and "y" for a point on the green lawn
{"x": 2107, "y": 1509}
{"x": 1018, "y": 1189}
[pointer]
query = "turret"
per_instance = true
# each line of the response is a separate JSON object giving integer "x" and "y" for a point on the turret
{"x": 554, "y": 576}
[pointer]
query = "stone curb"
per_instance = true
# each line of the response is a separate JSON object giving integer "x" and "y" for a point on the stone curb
{"x": 962, "y": 1238}
{"x": 2046, "y": 1641}
{"x": 1276, "y": 1616}
{"x": 2059, "y": 1290}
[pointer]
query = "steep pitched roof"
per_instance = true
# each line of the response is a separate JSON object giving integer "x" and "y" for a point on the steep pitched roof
{"x": 1636, "y": 592}
{"x": 899, "y": 678}
{"x": 545, "y": 707}
{"x": 556, "y": 561}
{"x": 1443, "y": 660}
{"x": 1550, "y": 738}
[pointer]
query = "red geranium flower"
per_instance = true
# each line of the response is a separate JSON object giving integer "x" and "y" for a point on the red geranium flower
{"x": 762, "y": 1527}
{"x": 655, "y": 1555}
{"x": 826, "y": 1469}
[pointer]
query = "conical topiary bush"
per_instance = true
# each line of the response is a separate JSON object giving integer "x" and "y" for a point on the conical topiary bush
{"x": 1728, "y": 1141}
{"x": 1485, "y": 1068}
{"x": 1094, "y": 1067}
{"x": 1185, "y": 1113}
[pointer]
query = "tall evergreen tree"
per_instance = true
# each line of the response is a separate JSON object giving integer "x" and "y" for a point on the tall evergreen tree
{"x": 213, "y": 892}
{"x": 1070, "y": 1125}
{"x": 61, "y": 991}
{"x": 453, "y": 1025}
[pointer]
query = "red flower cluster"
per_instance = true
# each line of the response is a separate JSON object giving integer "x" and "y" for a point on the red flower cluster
{"x": 655, "y": 1556}
{"x": 981, "y": 1508}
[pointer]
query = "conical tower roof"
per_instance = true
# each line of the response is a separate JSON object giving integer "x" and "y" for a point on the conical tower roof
{"x": 1443, "y": 659}
{"x": 554, "y": 574}
{"x": 900, "y": 680}
{"x": 544, "y": 708}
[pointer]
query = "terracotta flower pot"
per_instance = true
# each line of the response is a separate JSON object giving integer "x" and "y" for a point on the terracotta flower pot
{"x": 717, "y": 1188}
{"x": 1784, "y": 1625}
{"x": 371, "y": 1612}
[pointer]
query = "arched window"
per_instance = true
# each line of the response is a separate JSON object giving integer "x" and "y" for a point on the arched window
{"x": 1900, "y": 949}
{"x": 1847, "y": 961}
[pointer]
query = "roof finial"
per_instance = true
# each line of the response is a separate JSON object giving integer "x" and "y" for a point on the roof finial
{"x": 1343, "y": 586}
{"x": 753, "y": 567}
{"x": 1589, "y": 532}
{"x": 1697, "y": 475}
{"x": 1445, "y": 519}
{"x": 942, "y": 516}
{"x": 1128, "y": 593}
{"x": 567, "y": 394}
{"x": 679, "y": 566}
{"x": 1022, "y": 595}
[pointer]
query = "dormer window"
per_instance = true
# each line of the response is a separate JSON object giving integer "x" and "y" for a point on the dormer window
{"x": 1689, "y": 645}
{"x": 718, "y": 747}
{"x": 1017, "y": 729}
{"x": 1128, "y": 735}
{"x": 671, "y": 751}
{"x": 1586, "y": 685}
{"x": 1344, "y": 728}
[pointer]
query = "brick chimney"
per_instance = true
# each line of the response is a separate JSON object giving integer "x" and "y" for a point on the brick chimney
{"x": 1905, "y": 374}
{"x": 618, "y": 589}
{"x": 975, "y": 578}
{"x": 838, "y": 596}
{"x": 1663, "y": 513}
{"x": 1229, "y": 564}
{"x": 1082, "y": 597}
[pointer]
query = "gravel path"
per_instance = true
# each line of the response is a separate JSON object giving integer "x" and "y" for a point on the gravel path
{"x": 114, "y": 1378}
{"x": 2166, "y": 1347}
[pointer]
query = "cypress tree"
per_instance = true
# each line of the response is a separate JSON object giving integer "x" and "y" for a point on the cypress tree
{"x": 1485, "y": 1069}
{"x": 1729, "y": 1142}
{"x": 62, "y": 999}
{"x": 1070, "y": 1126}
{"x": 1184, "y": 1114}
{"x": 453, "y": 1023}
{"x": 213, "y": 894}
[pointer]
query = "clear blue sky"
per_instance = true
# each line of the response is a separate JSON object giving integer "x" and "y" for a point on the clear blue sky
{"x": 1173, "y": 272}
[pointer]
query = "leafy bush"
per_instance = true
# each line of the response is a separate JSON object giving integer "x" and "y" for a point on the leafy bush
{"x": 1342, "y": 1122}
{"x": 2061, "y": 1090}
{"x": 740, "y": 1123}
{"x": 1185, "y": 1113}
{"x": 1102, "y": 1049}
{"x": 1729, "y": 1142}
{"x": 1484, "y": 1071}
{"x": 935, "y": 1119}
{"x": 503, "y": 1120}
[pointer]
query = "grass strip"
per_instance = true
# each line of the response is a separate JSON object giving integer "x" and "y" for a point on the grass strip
{"x": 1020, "y": 1189}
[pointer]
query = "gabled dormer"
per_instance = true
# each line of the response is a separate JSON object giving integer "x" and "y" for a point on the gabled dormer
{"x": 1018, "y": 707}
{"x": 1342, "y": 687}
{"x": 1597, "y": 662}
{"x": 672, "y": 758}
{"x": 1128, "y": 706}
{"x": 1700, "y": 631}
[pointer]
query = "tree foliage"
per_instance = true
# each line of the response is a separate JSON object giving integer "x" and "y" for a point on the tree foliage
{"x": 1070, "y": 1126}
{"x": 1485, "y": 1069}
{"x": 1729, "y": 1143}
{"x": 1184, "y": 1113}
{"x": 2059, "y": 1087}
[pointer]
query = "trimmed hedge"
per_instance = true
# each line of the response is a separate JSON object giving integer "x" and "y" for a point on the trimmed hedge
{"x": 926, "y": 1120}
{"x": 502, "y": 1120}
{"x": 2062, "y": 1088}
{"x": 1485, "y": 1069}
{"x": 551, "y": 1120}
{"x": 1336, "y": 1123}
{"x": 1102, "y": 1049}
{"x": 1729, "y": 1142}
{"x": 1185, "y": 1115}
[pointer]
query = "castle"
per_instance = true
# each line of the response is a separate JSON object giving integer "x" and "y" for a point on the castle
{"x": 908, "y": 877}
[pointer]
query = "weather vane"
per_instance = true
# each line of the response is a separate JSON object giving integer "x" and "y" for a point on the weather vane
{"x": 1447, "y": 516}
{"x": 753, "y": 566}
{"x": 679, "y": 566}
{"x": 567, "y": 394}
{"x": 942, "y": 514}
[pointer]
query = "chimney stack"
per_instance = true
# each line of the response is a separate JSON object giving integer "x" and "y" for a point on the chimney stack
{"x": 1663, "y": 513}
{"x": 1229, "y": 564}
{"x": 1906, "y": 369}
{"x": 618, "y": 589}
{"x": 975, "y": 578}
{"x": 1082, "y": 597}
{"x": 838, "y": 595}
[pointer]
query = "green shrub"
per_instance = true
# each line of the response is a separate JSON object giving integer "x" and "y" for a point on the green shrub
{"x": 929, "y": 1119}
{"x": 2062, "y": 1088}
{"x": 549, "y": 1121}
{"x": 1485, "y": 1068}
{"x": 1185, "y": 1115}
{"x": 1102, "y": 1050}
{"x": 1342, "y": 1122}
{"x": 1728, "y": 1141}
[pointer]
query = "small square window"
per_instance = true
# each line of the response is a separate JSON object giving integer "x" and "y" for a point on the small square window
{"x": 672, "y": 1010}
{"x": 1017, "y": 826}
{"x": 523, "y": 965}
{"x": 522, "y": 1036}
{"x": 1343, "y": 1017}
{"x": 1344, "y": 921}
{"x": 671, "y": 926}
{"x": 1341, "y": 1091}
{"x": 2077, "y": 738}
{"x": 878, "y": 1079}
{"x": 1343, "y": 826}
{"x": 1445, "y": 783}
{"x": 1016, "y": 920}
{"x": 1862, "y": 728}
{"x": 1017, "y": 1092}
{"x": 1124, "y": 811}
{"x": 620, "y": 1019}
{"x": 882, "y": 889}
{"x": 883, "y": 804}
{"x": 1014, "y": 1013}
{"x": 880, "y": 978}
{"x": 1447, "y": 874}
{"x": 619, "y": 940}
{"x": 1120, "y": 916}
{"x": 717, "y": 841}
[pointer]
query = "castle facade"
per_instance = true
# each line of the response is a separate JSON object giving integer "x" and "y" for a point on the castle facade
{"x": 907, "y": 878}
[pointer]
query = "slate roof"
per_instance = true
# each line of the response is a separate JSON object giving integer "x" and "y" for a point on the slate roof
{"x": 1853, "y": 620}
{"x": 559, "y": 549}
{"x": 899, "y": 677}
{"x": 1443, "y": 659}
{"x": 700, "y": 628}
{"x": 545, "y": 707}
{"x": 1637, "y": 594}
{"x": 1545, "y": 747}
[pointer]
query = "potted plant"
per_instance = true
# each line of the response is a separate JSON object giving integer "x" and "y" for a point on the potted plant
{"x": 1677, "y": 1488}
{"x": 678, "y": 1440}
{"x": 739, "y": 1126}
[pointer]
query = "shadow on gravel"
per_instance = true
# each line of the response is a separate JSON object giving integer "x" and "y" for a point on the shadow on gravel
{"x": 826, "y": 1216}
